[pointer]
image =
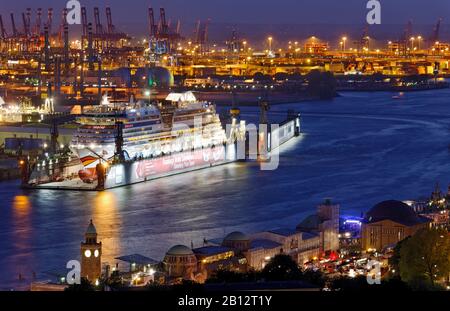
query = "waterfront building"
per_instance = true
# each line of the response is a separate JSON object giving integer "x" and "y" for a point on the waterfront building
{"x": 288, "y": 240}
{"x": 324, "y": 225}
{"x": 439, "y": 218}
{"x": 259, "y": 248}
{"x": 213, "y": 258}
{"x": 317, "y": 235}
{"x": 349, "y": 234}
{"x": 180, "y": 262}
{"x": 309, "y": 248}
{"x": 329, "y": 225}
{"x": 389, "y": 222}
{"x": 138, "y": 262}
{"x": 91, "y": 255}
{"x": 261, "y": 251}
{"x": 301, "y": 246}
{"x": 237, "y": 241}
{"x": 142, "y": 270}
{"x": 256, "y": 252}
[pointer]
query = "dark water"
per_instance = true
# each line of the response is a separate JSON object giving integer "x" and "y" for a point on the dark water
{"x": 358, "y": 149}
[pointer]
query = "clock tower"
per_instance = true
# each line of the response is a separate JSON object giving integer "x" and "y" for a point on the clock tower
{"x": 91, "y": 254}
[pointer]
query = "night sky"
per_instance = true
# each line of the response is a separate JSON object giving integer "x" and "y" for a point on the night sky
{"x": 261, "y": 11}
{"x": 130, "y": 15}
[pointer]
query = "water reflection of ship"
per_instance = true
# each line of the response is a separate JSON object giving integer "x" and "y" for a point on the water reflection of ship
{"x": 108, "y": 221}
{"x": 399, "y": 96}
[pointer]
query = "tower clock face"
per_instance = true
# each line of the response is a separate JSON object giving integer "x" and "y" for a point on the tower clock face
{"x": 96, "y": 253}
{"x": 87, "y": 253}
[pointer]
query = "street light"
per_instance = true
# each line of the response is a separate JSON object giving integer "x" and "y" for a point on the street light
{"x": 270, "y": 44}
{"x": 419, "y": 38}
{"x": 148, "y": 94}
{"x": 344, "y": 40}
{"x": 368, "y": 42}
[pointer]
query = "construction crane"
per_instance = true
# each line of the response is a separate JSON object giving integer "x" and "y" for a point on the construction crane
{"x": 25, "y": 27}
{"x": 363, "y": 41}
{"x": 178, "y": 28}
{"x": 98, "y": 25}
{"x": 46, "y": 48}
{"x": 37, "y": 29}
{"x": 436, "y": 31}
{"x": 162, "y": 36}
{"x": 90, "y": 47}
{"x": 13, "y": 25}
{"x": 49, "y": 22}
{"x": 201, "y": 32}
{"x": 26, "y": 18}
{"x": 164, "y": 30}
{"x": 153, "y": 28}
{"x": 408, "y": 31}
{"x": 62, "y": 26}
{"x": 84, "y": 21}
{"x": 3, "y": 33}
{"x": 111, "y": 29}
{"x": 405, "y": 38}
{"x": 198, "y": 24}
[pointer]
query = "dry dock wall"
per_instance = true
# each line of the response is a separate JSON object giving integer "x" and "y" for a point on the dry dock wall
{"x": 143, "y": 170}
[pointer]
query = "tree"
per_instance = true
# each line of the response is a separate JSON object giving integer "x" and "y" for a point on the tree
{"x": 394, "y": 261}
{"x": 84, "y": 286}
{"x": 281, "y": 268}
{"x": 425, "y": 258}
{"x": 114, "y": 281}
{"x": 321, "y": 84}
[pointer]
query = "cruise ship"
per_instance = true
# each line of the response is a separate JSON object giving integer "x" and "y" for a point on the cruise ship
{"x": 150, "y": 131}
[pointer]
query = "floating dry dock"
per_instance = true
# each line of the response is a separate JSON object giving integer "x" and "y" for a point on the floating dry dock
{"x": 133, "y": 172}
{"x": 55, "y": 176}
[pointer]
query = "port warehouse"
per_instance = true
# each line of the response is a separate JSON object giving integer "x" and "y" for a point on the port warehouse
{"x": 32, "y": 137}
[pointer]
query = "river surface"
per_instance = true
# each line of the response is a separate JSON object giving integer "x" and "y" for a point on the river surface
{"x": 358, "y": 149}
